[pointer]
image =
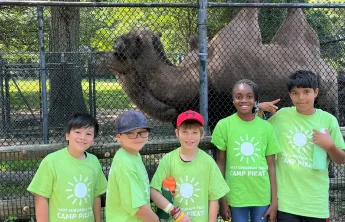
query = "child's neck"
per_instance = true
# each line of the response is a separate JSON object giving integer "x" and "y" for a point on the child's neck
{"x": 246, "y": 116}
{"x": 76, "y": 154}
{"x": 307, "y": 112}
{"x": 131, "y": 151}
{"x": 188, "y": 154}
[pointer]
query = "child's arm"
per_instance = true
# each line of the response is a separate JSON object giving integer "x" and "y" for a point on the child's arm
{"x": 97, "y": 209}
{"x": 157, "y": 198}
{"x": 325, "y": 141}
{"x": 224, "y": 209}
{"x": 162, "y": 203}
{"x": 212, "y": 210}
{"x": 146, "y": 214}
{"x": 268, "y": 107}
{"x": 41, "y": 205}
{"x": 272, "y": 210}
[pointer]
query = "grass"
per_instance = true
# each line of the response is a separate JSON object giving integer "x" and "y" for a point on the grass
{"x": 109, "y": 94}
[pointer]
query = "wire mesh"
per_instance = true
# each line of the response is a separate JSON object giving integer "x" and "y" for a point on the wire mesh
{"x": 105, "y": 60}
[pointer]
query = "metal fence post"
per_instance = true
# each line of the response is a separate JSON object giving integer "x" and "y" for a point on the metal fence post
{"x": 2, "y": 95}
{"x": 202, "y": 52}
{"x": 43, "y": 75}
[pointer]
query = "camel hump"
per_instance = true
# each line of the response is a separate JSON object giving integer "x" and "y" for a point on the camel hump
{"x": 295, "y": 30}
{"x": 245, "y": 26}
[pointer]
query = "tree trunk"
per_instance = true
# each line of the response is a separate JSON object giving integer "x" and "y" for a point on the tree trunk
{"x": 66, "y": 96}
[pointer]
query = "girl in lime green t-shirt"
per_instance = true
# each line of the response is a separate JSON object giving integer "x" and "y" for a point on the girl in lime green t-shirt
{"x": 246, "y": 147}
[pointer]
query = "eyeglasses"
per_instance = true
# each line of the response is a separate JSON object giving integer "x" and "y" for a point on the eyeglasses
{"x": 132, "y": 135}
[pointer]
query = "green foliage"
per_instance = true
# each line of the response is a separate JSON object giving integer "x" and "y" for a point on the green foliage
{"x": 10, "y": 219}
{"x": 330, "y": 25}
{"x": 175, "y": 24}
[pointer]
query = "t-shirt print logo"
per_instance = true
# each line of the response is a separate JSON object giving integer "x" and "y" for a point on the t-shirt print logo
{"x": 300, "y": 139}
{"x": 187, "y": 190}
{"x": 80, "y": 189}
{"x": 247, "y": 149}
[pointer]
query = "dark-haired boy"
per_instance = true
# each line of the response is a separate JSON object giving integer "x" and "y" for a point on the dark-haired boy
{"x": 302, "y": 190}
{"x": 69, "y": 182}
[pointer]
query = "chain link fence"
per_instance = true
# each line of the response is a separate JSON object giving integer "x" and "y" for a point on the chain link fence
{"x": 59, "y": 58}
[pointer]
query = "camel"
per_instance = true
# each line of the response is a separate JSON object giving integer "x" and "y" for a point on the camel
{"x": 154, "y": 84}
{"x": 162, "y": 90}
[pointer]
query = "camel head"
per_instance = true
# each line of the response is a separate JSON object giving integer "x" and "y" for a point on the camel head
{"x": 139, "y": 42}
{"x": 152, "y": 82}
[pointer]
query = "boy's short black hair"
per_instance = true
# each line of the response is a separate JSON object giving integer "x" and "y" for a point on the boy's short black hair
{"x": 82, "y": 120}
{"x": 250, "y": 83}
{"x": 303, "y": 79}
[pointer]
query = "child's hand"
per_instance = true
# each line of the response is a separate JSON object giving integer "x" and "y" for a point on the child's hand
{"x": 323, "y": 140}
{"x": 224, "y": 211}
{"x": 269, "y": 106}
{"x": 271, "y": 212}
{"x": 185, "y": 218}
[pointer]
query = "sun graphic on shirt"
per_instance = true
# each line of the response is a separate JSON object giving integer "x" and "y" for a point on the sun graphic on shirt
{"x": 79, "y": 190}
{"x": 187, "y": 190}
{"x": 247, "y": 150}
{"x": 300, "y": 139}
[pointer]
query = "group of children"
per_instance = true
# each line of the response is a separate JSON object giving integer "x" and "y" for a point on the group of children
{"x": 263, "y": 169}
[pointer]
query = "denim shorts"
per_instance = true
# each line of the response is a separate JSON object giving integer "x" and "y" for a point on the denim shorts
{"x": 241, "y": 214}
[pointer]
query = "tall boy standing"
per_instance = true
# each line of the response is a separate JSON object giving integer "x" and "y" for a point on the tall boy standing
{"x": 302, "y": 190}
{"x": 128, "y": 193}
{"x": 199, "y": 182}
{"x": 69, "y": 182}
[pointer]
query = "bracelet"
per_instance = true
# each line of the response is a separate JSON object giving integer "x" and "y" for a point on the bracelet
{"x": 167, "y": 208}
{"x": 174, "y": 211}
{"x": 180, "y": 217}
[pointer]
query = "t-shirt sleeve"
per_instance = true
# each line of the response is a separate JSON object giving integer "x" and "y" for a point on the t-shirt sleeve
{"x": 273, "y": 145}
{"x": 101, "y": 182}
{"x": 217, "y": 185}
{"x": 131, "y": 194}
{"x": 274, "y": 118}
{"x": 43, "y": 181}
{"x": 161, "y": 173}
{"x": 219, "y": 136}
{"x": 336, "y": 135}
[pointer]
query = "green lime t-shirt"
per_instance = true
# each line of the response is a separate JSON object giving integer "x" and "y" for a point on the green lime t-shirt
{"x": 197, "y": 182}
{"x": 128, "y": 187}
{"x": 246, "y": 144}
{"x": 301, "y": 189}
{"x": 70, "y": 185}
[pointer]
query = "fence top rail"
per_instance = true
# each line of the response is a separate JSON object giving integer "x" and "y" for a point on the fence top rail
{"x": 99, "y": 4}
{"x": 171, "y": 5}
{"x": 276, "y": 5}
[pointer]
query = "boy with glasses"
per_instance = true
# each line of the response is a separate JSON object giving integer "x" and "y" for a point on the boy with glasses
{"x": 128, "y": 193}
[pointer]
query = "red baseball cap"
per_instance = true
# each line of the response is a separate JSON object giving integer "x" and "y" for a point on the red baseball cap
{"x": 189, "y": 115}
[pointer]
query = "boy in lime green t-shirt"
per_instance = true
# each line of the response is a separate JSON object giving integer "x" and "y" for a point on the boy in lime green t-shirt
{"x": 199, "y": 182}
{"x": 128, "y": 193}
{"x": 69, "y": 182}
{"x": 303, "y": 188}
